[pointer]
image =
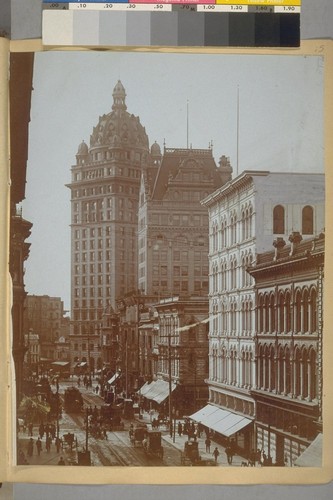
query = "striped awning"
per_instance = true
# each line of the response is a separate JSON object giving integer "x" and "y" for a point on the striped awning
{"x": 222, "y": 421}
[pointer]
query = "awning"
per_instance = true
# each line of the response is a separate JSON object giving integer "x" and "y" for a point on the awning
{"x": 222, "y": 421}
{"x": 114, "y": 378}
{"x": 158, "y": 391}
{"x": 81, "y": 365}
{"x": 60, "y": 363}
{"x": 312, "y": 456}
{"x": 144, "y": 389}
{"x": 148, "y": 326}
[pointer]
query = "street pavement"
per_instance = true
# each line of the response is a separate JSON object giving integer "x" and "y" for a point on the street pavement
{"x": 109, "y": 451}
{"x": 179, "y": 443}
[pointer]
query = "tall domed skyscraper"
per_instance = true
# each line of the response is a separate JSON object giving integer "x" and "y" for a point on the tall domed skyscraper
{"x": 104, "y": 198}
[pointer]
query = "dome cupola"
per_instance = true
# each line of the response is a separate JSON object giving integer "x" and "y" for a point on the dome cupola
{"x": 119, "y": 128}
{"x": 82, "y": 149}
{"x": 119, "y": 96}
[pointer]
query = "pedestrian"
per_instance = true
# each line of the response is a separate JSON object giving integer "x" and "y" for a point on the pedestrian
{"x": 30, "y": 426}
{"x": 61, "y": 461}
{"x": 180, "y": 429}
{"x": 48, "y": 444}
{"x": 39, "y": 446}
{"x": 216, "y": 453}
{"x": 207, "y": 443}
{"x": 41, "y": 430}
{"x": 30, "y": 448}
{"x": 229, "y": 452}
{"x": 58, "y": 443}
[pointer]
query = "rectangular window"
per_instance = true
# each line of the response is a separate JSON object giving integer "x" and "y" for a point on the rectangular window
{"x": 176, "y": 270}
{"x": 176, "y": 255}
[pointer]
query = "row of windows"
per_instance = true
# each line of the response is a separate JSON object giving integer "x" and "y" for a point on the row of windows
{"x": 162, "y": 286}
{"x": 85, "y": 292}
{"x": 92, "y": 232}
{"x": 106, "y": 189}
{"x": 231, "y": 367}
{"x": 101, "y": 216}
{"x": 178, "y": 219}
{"x": 92, "y": 280}
{"x": 88, "y": 303}
{"x": 285, "y": 312}
{"x": 228, "y": 276}
{"x": 225, "y": 232}
{"x": 188, "y": 195}
{"x": 100, "y": 243}
{"x": 92, "y": 268}
{"x": 105, "y": 172}
{"x": 288, "y": 370}
{"x": 279, "y": 219}
{"x": 94, "y": 206}
{"x": 232, "y": 318}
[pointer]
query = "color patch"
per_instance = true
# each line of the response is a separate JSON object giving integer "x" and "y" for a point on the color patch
{"x": 177, "y": 28}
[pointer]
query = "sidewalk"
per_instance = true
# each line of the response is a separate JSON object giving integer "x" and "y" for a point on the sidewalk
{"x": 179, "y": 443}
{"x": 45, "y": 458}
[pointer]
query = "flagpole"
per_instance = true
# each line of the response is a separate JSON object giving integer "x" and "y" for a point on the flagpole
{"x": 237, "y": 160}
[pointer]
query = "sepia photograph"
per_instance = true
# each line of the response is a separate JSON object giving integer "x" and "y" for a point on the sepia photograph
{"x": 167, "y": 244}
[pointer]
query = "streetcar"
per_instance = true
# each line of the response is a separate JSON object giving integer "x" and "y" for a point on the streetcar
{"x": 73, "y": 401}
{"x": 152, "y": 443}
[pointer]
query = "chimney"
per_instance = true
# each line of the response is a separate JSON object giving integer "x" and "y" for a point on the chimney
{"x": 295, "y": 238}
{"x": 278, "y": 244}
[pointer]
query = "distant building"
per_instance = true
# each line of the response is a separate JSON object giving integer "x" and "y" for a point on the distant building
{"x": 288, "y": 346}
{"x": 45, "y": 316}
{"x": 32, "y": 356}
{"x": 245, "y": 216}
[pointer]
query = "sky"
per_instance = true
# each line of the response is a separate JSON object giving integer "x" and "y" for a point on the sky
{"x": 280, "y": 126}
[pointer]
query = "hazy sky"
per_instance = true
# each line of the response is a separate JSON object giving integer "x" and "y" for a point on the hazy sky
{"x": 281, "y": 126}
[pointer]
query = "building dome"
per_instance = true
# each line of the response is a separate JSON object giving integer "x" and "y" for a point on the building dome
{"x": 155, "y": 149}
{"x": 119, "y": 128}
{"x": 82, "y": 149}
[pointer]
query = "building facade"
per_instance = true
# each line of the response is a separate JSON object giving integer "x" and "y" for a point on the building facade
{"x": 183, "y": 351}
{"x": 173, "y": 225}
{"x": 20, "y": 88}
{"x": 104, "y": 200}
{"x": 45, "y": 316}
{"x": 288, "y": 346}
{"x": 244, "y": 218}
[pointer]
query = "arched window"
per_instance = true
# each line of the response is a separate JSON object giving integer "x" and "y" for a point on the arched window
{"x": 313, "y": 311}
{"x": 266, "y": 314}
{"x": 260, "y": 313}
{"x": 278, "y": 219}
{"x": 307, "y": 220}
{"x": 272, "y": 374}
{"x": 280, "y": 370}
{"x": 297, "y": 372}
{"x": 304, "y": 374}
{"x": 266, "y": 368}
{"x": 272, "y": 313}
{"x": 281, "y": 313}
{"x": 287, "y": 312}
{"x": 298, "y": 312}
{"x": 260, "y": 368}
{"x": 305, "y": 311}
{"x": 288, "y": 372}
{"x": 313, "y": 374}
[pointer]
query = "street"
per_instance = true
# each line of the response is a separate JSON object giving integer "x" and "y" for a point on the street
{"x": 116, "y": 450}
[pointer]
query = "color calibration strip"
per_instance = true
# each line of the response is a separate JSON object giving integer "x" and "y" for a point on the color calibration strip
{"x": 175, "y": 23}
